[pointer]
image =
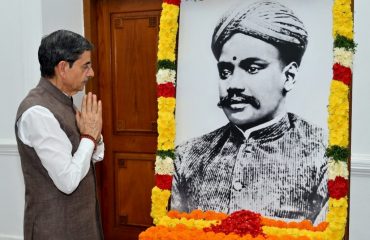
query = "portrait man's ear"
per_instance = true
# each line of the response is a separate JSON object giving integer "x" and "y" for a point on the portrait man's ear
{"x": 290, "y": 72}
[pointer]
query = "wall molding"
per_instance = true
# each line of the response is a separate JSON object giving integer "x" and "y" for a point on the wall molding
{"x": 8, "y": 148}
{"x": 360, "y": 164}
{"x": 10, "y": 237}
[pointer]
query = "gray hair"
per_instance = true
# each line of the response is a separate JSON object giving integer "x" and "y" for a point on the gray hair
{"x": 61, "y": 45}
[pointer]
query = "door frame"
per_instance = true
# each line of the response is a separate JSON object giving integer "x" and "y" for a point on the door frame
{"x": 91, "y": 33}
{"x": 91, "y": 12}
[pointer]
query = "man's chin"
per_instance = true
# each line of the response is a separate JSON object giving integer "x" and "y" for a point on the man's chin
{"x": 82, "y": 87}
{"x": 241, "y": 118}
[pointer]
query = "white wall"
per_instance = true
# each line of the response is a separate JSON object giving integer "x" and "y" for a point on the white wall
{"x": 360, "y": 182}
{"x": 361, "y": 98}
{"x": 20, "y": 23}
{"x": 63, "y": 14}
{"x": 23, "y": 22}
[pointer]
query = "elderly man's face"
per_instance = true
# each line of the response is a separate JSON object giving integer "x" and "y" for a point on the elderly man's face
{"x": 251, "y": 81}
{"x": 77, "y": 76}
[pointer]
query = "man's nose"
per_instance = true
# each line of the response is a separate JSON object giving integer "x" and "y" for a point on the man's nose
{"x": 91, "y": 72}
{"x": 236, "y": 81}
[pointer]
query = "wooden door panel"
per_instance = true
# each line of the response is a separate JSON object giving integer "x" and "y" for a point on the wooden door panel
{"x": 125, "y": 36}
{"x": 132, "y": 170}
{"x": 133, "y": 70}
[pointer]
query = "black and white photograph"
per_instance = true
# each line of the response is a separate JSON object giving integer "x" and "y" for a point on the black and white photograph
{"x": 253, "y": 82}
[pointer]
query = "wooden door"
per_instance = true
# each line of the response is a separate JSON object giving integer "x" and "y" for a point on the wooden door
{"x": 125, "y": 35}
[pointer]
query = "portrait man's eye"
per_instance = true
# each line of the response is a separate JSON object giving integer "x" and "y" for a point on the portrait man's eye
{"x": 253, "y": 66}
{"x": 253, "y": 69}
{"x": 225, "y": 70}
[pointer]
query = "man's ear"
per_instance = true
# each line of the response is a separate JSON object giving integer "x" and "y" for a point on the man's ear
{"x": 60, "y": 68}
{"x": 289, "y": 73}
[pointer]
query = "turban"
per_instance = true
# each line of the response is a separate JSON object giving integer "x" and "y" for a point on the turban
{"x": 266, "y": 20}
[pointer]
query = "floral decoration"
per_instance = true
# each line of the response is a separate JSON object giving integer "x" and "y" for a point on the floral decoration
{"x": 243, "y": 224}
{"x": 240, "y": 222}
{"x": 338, "y": 187}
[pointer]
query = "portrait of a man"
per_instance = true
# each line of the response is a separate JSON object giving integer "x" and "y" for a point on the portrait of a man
{"x": 265, "y": 158}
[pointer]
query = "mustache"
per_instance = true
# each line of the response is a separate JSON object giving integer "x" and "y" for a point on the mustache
{"x": 238, "y": 98}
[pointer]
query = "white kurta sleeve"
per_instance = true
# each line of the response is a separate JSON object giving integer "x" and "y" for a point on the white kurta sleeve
{"x": 39, "y": 129}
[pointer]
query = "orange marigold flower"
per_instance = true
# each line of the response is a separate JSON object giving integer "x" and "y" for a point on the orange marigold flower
{"x": 305, "y": 224}
{"x": 322, "y": 226}
{"x": 196, "y": 214}
{"x": 173, "y": 214}
{"x": 293, "y": 225}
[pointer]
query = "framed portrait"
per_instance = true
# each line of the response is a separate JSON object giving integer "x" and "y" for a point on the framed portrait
{"x": 254, "y": 172}
{"x": 259, "y": 129}
{"x": 197, "y": 92}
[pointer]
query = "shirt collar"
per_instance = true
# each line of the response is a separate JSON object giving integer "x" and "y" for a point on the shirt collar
{"x": 56, "y": 92}
{"x": 267, "y": 131}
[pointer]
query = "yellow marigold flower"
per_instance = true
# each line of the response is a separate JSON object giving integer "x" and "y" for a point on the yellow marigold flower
{"x": 166, "y": 104}
{"x": 338, "y": 119}
{"x": 337, "y": 218}
{"x": 342, "y": 18}
{"x": 166, "y": 123}
{"x": 191, "y": 223}
{"x": 168, "y": 32}
{"x": 292, "y": 232}
{"x": 159, "y": 203}
{"x": 338, "y": 203}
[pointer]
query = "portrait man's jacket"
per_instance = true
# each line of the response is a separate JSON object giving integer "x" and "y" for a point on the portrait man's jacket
{"x": 279, "y": 170}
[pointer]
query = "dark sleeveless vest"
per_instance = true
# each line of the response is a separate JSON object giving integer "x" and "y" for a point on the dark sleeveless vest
{"x": 49, "y": 213}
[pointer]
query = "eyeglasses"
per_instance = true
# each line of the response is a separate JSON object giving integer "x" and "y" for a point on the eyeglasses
{"x": 87, "y": 66}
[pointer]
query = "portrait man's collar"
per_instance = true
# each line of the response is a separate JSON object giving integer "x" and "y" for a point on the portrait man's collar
{"x": 268, "y": 130}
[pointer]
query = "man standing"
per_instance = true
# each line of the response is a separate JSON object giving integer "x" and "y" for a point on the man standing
{"x": 265, "y": 159}
{"x": 58, "y": 145}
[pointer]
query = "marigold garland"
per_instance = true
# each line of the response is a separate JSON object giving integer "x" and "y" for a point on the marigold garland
{"x": 166, "y": 90}
{"x": 163, "y": 181}
{"x": 240, "y": 222}
{"x": 342, "y": 19}
{"x": 166, "y": 76}
{"x": 176, "y": 225}
{"x": 338, "y": 169}
{"x": 166, "y": 153}
{"x": 198, "y": 214}
{"x": 343, "y": 42}
{"x": 168, "y": 32}
{"x": 304, "y": 225}
{"x": 342, "y": 73}
{"x": 337, "y": 153}
{"x": 338, "y": 119}
{"x": 338, "y": 187}
{"x": 189, "y": 222}
{"x": 165, "y": 64}
{"x": 343, "y": 57}
{"x": 166, "y": 123}
{"x": 164, "y": 165}
{"x": 159, "y": 203}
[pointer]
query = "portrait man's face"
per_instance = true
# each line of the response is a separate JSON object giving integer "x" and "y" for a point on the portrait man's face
{"x": 252, "y": 81}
